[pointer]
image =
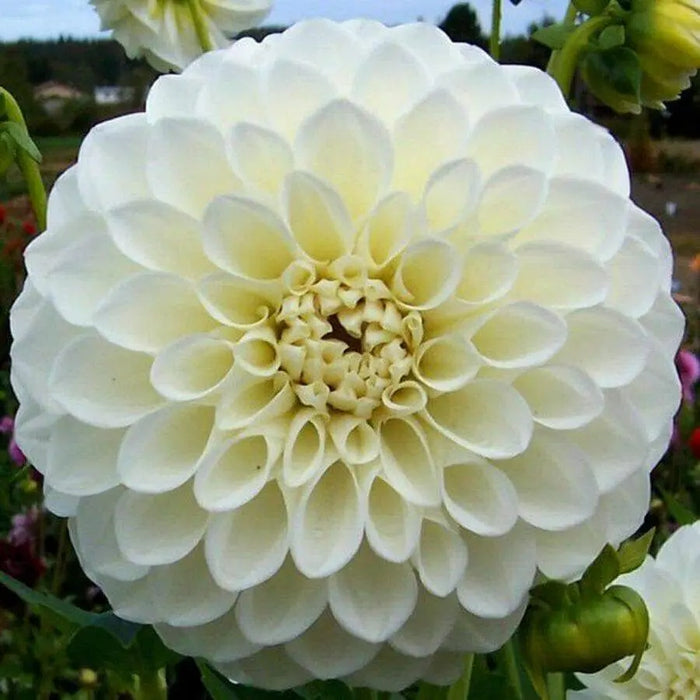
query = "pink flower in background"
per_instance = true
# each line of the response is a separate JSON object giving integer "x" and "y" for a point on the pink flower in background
{"x": 7, "y": 427}
{"x": 688, "y": 367}
{"x": 24, "y": 526}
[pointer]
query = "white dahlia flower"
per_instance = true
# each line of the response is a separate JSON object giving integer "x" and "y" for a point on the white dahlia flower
{"x": 340, "y": 342}
{"x": 670, "y": 668}
{"x": 164, "y": 31}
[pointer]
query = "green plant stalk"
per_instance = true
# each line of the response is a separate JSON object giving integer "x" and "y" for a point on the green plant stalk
{"x": 27, "y": 165}
{"x": 200, "y": 26}
{"x": 569, "y": 18}
{"x": 556, "y": 686}
{"x": 460, "y": 689}
{"x": 567, "y": 59}
{"x": 495, "y": 39}
{"x": 150, "y": 685}
{"x": 512, "y": 669}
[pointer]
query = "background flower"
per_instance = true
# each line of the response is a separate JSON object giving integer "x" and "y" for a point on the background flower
{"x": 670, "y": 667}
{"x": 163, "y": 31}
{"x": 688, "y": 367}
{"x": 351, "y": 333}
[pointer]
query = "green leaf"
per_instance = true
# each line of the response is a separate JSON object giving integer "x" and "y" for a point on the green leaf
{"x": 591, "y": 7}
{"x": 681, "y": 514}
{"x": 70, "y": 615}
{"x": 150, "y": 652}
{"x": 553, "y": 36}
{"x": 324, "y": 690}
{"x": 552, "y": 593}
{"x": 633, "y": 552}
{"x": 8, "y": 152}
{"x": 604, "y": 569}
{"x": 122, "y": 630}
{"x": 614, "y": 76}
{"x": 612, "y": 36}
{"x": 22, "y": 139}
{"x": 94, "y": 647}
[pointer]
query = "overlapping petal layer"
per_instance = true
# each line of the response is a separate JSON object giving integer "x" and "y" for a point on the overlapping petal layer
{"x": 670, "y": 667}
{"x": 356, "y": 329}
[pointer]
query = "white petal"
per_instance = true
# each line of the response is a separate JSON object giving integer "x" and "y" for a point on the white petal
{"x": 260, "y": 157}
{"x": 389, "y": 671}
{"x": 158, "y": 528}
{"x": 451, "y": 194}
{"x": 293, "y": 91}
{"x": 439, "y": 124}
{"x": 246, "y": 546}
{"x": 554, "y": 481}
{"x": 236, "y": 301}
{"x": 666, "y": 322}
{"x": 161, "y": 451}
{"x": 610, "y": 347}
{"x": 426, "y": 629}
{"x": 187, "y": 166}
{"x": 257, "y": 352}
{"x": 270, "y": 668}
{"x": 479, "y": 496}
{"x": 255, "y": 403}
{"x": 559, "y": 276}
{"x": 634, "y": 273}
{"x": 192, "y": 367}
{"x": 499, "y": 574}
{"x": 235, "y": 472}
{"x": 578, "y": 148}
{"x": 581, "y": 214}
{"x": 112, "y": 162}
{"x": 84, "y": 273}
{"x": 350, "y": 150}
{"x": 560, "y": 397}
{"x": 565, "y": 554}
{"x": 354, "y": 438}
{"x": 159, "y": 237}
{"x": 485, "y": 416}
{"x": 389, "y": 64}
{"x": 405, "y": 398}
{"x": 407, "y": 462}
{"x": 371, "y": 597}
{"x": 616, "y": 442}
{"x": 432, "y": 48}
{"x": 441, "y": 558}
{"x": 488, "y": 273}
{"x": 82, "y": 460}
{"x": 388, "y": 229}
{"x": 317, "y": 217}
{"x": 101, "y": 384}
{"x": 521, "y": 334}
{"x": 185, "y": 594}
{"x": 510, "y": 199}
{"x": 304, "y": 447}
{"x": 655, "y": 392}
{"x": 60, "y": 504}
{"x": 220, "y": 640}
{"x": 512, "y": 135}
{"x": 247, "y": 239}
{"x": 536, "y": 87}
{"x": 445, "y": 668}
{"x": 65, "y": 202}
{"x": 172, "y": 96}
{"x": 281, "y": 608}
{"x": 328, "y": 523}
{"x": 130, "y": 600}
{"x": 427, "y": 274}
{"x": 328, "y": 651}
{"x": 92, "y": 533}
{"x": 483, "y": 635}
{"x": 393, "y": 525}
{"x": 626, "y": 506}
{"x": 480, "y": 86}
{"x": 147, "y": 311}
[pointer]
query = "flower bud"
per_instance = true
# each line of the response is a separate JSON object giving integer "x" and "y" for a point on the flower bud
{"x": 586, "y": 635}
{"x": 88, "y": 678}
{"x": 666, "y": 37}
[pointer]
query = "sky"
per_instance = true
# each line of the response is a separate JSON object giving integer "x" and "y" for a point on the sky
{"x": 52, "y": 18}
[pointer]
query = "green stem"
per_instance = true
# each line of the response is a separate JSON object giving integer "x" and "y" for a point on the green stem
{"x": 569, "y": 19}
{"x": 28, "y": 166}
{"x": 495, "y": 40}
{"x": 566, "y": 61}
{"x": 150, "y": 685}
{"x": 200, "y": 25}
{"x": 364, "y": 694}
{"x": 556, "y": 686}
{"x": 60, "y": 563}
{"x": 460, "y": 689}
{"x": 512, "y": 669}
